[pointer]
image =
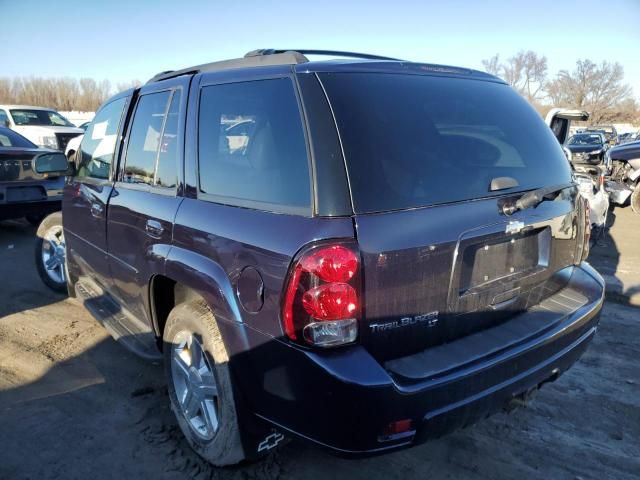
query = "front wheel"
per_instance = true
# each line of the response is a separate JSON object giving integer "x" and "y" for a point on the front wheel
{"x": 50, "y": 253}
{"x": 199, "y": 384}
{"x": 635, "y": 199}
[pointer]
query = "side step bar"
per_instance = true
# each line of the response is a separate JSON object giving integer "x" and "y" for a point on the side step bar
{"x": 123, "y": 327}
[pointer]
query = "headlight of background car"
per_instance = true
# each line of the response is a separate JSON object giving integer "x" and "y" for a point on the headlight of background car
{"x": 48, "y": 142}
{"x": 596, "y": 152}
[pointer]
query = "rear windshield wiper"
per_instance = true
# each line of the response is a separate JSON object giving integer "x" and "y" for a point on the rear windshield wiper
{"x": 533, "y": 198}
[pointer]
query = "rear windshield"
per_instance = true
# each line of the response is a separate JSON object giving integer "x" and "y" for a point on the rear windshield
{"x": 412, "y": 141}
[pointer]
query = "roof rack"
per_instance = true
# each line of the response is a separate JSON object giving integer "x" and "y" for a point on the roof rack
{"x": 329, "y": 53}
{"x": 263, "y": 57}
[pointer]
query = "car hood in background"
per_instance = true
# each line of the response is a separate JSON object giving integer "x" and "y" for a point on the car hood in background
{"x": 46, "y": 129}
{"x": 626, "y": 151}
{"x": 584, "y": 148}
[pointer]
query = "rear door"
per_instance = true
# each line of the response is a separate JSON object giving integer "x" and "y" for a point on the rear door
{"x": 431, "y": 162}
{"x": 87, "y": 193}
{"x": 145, "y": 197}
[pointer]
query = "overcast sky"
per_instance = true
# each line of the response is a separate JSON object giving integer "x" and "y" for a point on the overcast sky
{"x": 122, "y": 40}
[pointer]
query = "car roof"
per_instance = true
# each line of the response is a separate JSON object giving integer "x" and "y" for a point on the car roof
{"x": 341, "y": 62}
{"x": 391, "y": 66}
{"x": 29, "y": 107}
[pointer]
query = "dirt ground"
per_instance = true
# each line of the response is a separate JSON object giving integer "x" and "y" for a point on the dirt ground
{"x": 76, "y": 405}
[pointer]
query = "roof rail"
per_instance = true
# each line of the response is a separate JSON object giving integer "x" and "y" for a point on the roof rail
{"x": 279, "y": 58}
{"x": 329, "y": 53}
{"x": 263, "y": 57}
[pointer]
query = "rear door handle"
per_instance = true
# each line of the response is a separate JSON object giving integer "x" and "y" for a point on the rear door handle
{"x": 97, "y": 209}
{"x": 154, "y": 228}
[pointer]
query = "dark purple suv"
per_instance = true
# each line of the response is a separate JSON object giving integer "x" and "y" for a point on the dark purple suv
{"x": 359, "y": 253}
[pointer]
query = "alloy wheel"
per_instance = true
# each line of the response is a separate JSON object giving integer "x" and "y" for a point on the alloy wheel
{"x": 54, "y": 254}
{"x": 195, "y": 385}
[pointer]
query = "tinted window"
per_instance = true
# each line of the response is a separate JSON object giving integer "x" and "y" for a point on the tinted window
{"x": 99, "y": 141}
{"x": 144, "y": 138}
{"x": 166, "y": 172}
{"x": 412, "y": 140}
{"x": 9, "y": 138}
{"x": 252, "y": 150}
{"x": 4, "y": 119}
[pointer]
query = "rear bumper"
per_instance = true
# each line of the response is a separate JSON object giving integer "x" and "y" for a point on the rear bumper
{"x": 344, "y": 399}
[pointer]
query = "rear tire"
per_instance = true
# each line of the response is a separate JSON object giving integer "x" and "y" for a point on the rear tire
{"x": 635, "y": 199}
{"x": 50, "y": 253}
{"x": 199, "y": 383}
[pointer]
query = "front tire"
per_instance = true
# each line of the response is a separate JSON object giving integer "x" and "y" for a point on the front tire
{"x": 199, "y": 384}
{"x": 50, "y": 253}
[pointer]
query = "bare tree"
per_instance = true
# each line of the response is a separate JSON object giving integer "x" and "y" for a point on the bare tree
{"x": 63, "y": 94}
{"x": 492, "y": 65}
{"x": 628, "y": 111}
{"x": 526, "y": 72}
{"x": 120, "y": 87}
{"x": 596, "y": 88}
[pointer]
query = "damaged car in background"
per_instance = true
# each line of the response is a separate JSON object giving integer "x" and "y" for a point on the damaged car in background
{"x": 587, "y": 150}
{"x": 623, "y": 162}
{"x": 586, "y": 154}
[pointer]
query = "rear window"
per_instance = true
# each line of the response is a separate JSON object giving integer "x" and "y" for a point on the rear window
{"x": 413, "y": 141}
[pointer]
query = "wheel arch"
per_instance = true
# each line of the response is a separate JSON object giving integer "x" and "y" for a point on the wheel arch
{"x": 191, "y": 277}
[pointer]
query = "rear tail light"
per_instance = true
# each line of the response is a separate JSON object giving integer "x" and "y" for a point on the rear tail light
{"x": 322, "y": 298}
{"x": 584, "y": 230}
{"x": 587, "y": 231}
{"x": 601, "y": 179}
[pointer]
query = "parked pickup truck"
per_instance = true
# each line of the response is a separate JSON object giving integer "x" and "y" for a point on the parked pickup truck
{"x": 363, "y": 254}
{"x": 42, "y": 126}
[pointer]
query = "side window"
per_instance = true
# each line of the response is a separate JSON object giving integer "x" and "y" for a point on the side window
{"x": 251, "y": 146}
{"x": 4, "y": 119}
{"x": 144, "y": 139}
{"x": 99, "y": 141}
{"x": 166, "y": 171}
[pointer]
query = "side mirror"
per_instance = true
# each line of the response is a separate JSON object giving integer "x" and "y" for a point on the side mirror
{"x": 54, "y": 164}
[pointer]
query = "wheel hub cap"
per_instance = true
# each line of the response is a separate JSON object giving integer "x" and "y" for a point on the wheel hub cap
{"x": 195, "y": 385}
{"x": 54, "y": 254}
